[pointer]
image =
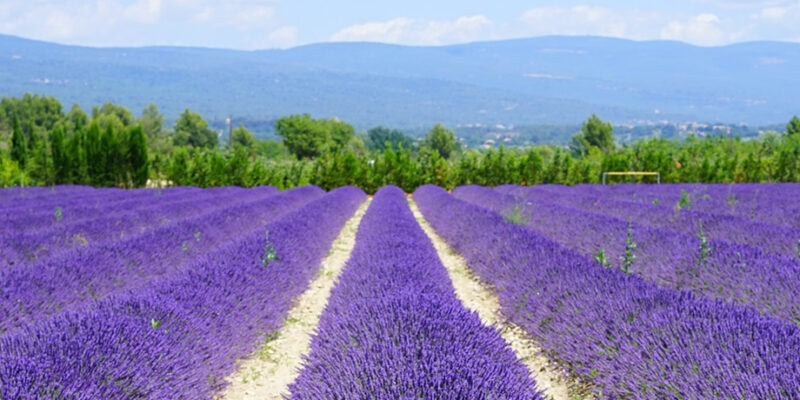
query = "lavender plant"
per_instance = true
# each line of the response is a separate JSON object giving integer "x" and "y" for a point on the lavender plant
{"x": 394, "y": 329}
{"x": 636, "y": 340}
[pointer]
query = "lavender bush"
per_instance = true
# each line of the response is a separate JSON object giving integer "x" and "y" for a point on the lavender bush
{"x": 394, "y": 329}
{"x": 628, "y": 338}
{"x": 180, "y": 336}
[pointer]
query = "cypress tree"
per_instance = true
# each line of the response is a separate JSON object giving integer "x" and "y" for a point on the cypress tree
{"x": 19, "y": 147}
{"x": 137, "y": 160}
{"x": 61, "y": 162}
{"x": 95, "y": 159}
{"x": 112, "y": 155}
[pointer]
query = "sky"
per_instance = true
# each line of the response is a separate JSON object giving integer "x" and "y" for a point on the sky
{"x": 263, "y": 24}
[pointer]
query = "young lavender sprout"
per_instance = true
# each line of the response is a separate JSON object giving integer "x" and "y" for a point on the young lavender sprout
{"x": 269, "y": 252}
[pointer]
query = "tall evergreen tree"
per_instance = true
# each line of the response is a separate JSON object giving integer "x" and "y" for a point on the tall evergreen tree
{"x": 95, "y": 160}
{"x": 19, "y": 146}
{"x": 137, "y": 157}
{"x": 61, "y": 162}
{"x": 112, "y": 153}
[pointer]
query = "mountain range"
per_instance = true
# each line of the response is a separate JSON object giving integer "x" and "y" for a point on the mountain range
{"x": 544, "y": 80}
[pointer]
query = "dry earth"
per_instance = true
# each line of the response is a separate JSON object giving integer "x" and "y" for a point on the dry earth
{"x": 269, "y": 371}
{"x": 475, "y": 296}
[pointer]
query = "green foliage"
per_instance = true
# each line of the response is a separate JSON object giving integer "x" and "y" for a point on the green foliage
{"x": 308, "y": 138}
{"x": 600, "y": 257}
{"x": 516, "y": 215}
{"x": 705, "y": 248}
{"x": 39, "y": 145}
{"x": 152, "y": 122}
{"x": 154, "y": 323}
{"x": 269, "y": 254}
{"x": 243, "y": 138}
{"x": 655, "y": 202}
{"x": 797, "y": 249}
{"x": 11, "y": 174}
{"x": 379, "y": 137}
{"x": 594, "y": 133}
{"x": 630, "y": 246}
{"x": 77, "y": 118}
{"x": 192, "y": 130}
{"x": 19, "y": 145}
{"x": 58, "y": 214}
{"x": 793, "y": 127}
{"x": 136, "y": 157}
{"x": 442, "y": 140}
{"x": 61, "y": 161}
{"x": 685, "y": 201}
{"x": 31, "y": 110}
{"x": 112, "y": 114}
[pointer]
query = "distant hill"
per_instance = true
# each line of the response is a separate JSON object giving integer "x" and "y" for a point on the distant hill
{"x": 547, "y": 80}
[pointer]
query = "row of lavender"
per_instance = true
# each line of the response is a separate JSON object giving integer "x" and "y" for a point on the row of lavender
{"x": 394, "y": 329}
{"x": 774, "y": 203}
{"x": 179, "y": 336}
{"x": 114, "y": 221}
{"x": 81, "y": 275}
{"x": 622, "y": 336}
{"x": 779, "y": 239}
{"x": 57, "y": 196}
{"x": 712, "y": 268}
{"x": 69, "y": 209}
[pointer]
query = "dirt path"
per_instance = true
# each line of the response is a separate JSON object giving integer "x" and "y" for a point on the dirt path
{"x": 268, "y": 373}
{"x": 480, "y": 299}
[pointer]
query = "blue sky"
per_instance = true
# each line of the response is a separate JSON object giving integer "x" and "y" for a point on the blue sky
{"x": 258, "y": 24}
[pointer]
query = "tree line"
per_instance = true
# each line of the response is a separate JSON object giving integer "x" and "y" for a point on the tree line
{"x": 40, "y": 144}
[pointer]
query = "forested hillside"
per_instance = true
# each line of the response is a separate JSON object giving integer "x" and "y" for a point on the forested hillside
{"x": 540, "y": 81}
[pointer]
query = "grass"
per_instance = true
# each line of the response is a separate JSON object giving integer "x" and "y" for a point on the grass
{"x": 516, "y": 215}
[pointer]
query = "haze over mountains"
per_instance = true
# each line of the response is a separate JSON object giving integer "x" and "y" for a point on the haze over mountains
{"x": 546, "y": 80}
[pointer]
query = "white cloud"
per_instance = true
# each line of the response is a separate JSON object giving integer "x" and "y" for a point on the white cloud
{"x": 588, "y": 20}
{"x": 773, "y": 13}
{"x": 144, "y": 11}
{"x": 144, "y": 22}
{"x": 702, "y": 29}
{"x": 417, "y": 32}
{"x": 282, "y": 37}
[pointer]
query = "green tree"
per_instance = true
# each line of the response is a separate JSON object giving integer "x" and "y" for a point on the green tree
{"x": 442, "y": 140}
{"x": 378, "y": 137}
{"x": 77, "y": 118}
{"x": 76, "y": 154}
{"x": 112, "y": 150}
{"x": 793, "y": 127}
{"x": 179, "y": 168}
{"x": 42, "y": 112}
{"x": 61, "y": 162}
{"x": 38, "y": 164}
{"x": 119, "y": 113}
{"x": 597, "y": 133}
{"x": 94, "y": 157}
{"x": 137, "y": 159}
{"x": 152, "y": 122}
{"x": 19, "y": 145}
{"x": 192, "y": 130}
{"x": 303, "y": 136}
{"x": 340, "y": 133}
{"x": 241, "y": 137}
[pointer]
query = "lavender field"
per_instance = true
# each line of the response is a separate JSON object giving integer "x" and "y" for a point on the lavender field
{"x": 593, "y": 292}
